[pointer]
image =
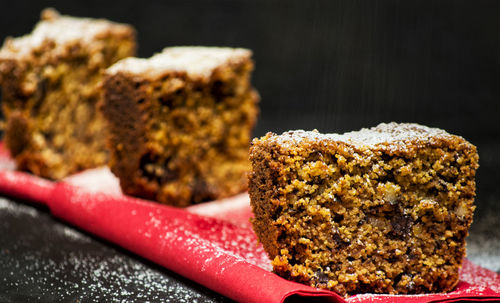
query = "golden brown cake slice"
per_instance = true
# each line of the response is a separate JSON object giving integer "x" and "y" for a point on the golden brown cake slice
{"x": 382, "y": 210}
{"x": 49, "y": 82}
{"x": 181, "y": 123}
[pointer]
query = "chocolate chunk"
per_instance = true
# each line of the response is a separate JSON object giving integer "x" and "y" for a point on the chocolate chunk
{"x": 397, "y": 279}
{"x": 401, "y": 226}
{"x": 322, "y": 277}
{"x": 341, "y": 243}
{"x": 393, "y": 259}
{"x": 201, "y": 191}
{"x": 338, "y": 217}
{"x": 39, "y": 96}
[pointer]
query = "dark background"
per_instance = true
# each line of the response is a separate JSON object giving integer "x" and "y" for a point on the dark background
{"x": 339, "y": 65}
{"x": 332, "y": 65}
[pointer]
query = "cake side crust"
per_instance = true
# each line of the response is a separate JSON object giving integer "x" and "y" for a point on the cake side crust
{"x": 61, "y": 31}
{"x": 197, "y": 62}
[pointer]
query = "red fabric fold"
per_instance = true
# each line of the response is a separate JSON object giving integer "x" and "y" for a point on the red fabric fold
{"x": 212, "y": 243}
{"x": 212, "y": 252}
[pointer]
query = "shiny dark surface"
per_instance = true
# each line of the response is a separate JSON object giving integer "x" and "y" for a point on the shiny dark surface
{"x": 45, "y": 260}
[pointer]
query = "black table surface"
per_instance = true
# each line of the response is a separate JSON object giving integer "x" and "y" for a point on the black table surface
{"x": 45, "y": 260}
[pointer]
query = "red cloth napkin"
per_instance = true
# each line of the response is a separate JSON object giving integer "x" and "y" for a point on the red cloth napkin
{"x": 212, "y": 243}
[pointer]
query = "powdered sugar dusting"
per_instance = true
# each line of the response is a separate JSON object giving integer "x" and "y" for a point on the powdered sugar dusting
{"x": 383, "y": 134}
{"x": 97, "y": 180}
{"x": 77, "y": 269}
{"x": 6, "y": 206}
{"x": 6, "y": 163}
{"x": 217, "y": 243}
{"x": 196, "y": 61}
{"x": 479, "y": 279}
{"x": 234, "y": 209}
{"x": 100, "y": 279}
{"x": 73, "y": 234}
{"x": 474, "y": 281}
{"x": 483, "y": 243}
{"x": 368, "y": 298}
{"x": 61, "y": 30}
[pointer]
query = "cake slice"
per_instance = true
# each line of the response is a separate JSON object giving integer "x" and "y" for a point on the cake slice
{"x": 381, "y": 210}
{"x": 181, "y": 123}
{"x": 49, "y": 82}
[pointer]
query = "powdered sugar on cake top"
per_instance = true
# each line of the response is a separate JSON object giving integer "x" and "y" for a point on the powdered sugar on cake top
{"x": 59, "y": 29}
{"x": 383, "y": 134}
{"x": 196, "y": 61}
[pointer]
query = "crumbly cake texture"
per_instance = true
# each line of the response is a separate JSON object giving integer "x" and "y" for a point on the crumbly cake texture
{"x": 50, "y": 88}
{"x": 381, "y": 210}
{"x": 181, "y": 123}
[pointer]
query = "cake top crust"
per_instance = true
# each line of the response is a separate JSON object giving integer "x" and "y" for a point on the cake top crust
{"x": 196, "y": 61}
{"x": 61, "y": 30}
{"x": 385, "y": 135}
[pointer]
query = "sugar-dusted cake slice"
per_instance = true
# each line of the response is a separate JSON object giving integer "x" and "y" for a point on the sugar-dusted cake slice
{"x": 49, "y": 81}
{"x": 380, "y": 210}
{"x": 181, "y": 123}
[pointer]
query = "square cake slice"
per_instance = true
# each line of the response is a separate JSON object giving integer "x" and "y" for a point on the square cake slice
{"x": 49, "y": 81}
{"x": 181, "y": 123}
{"x": 380, "y": 210}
